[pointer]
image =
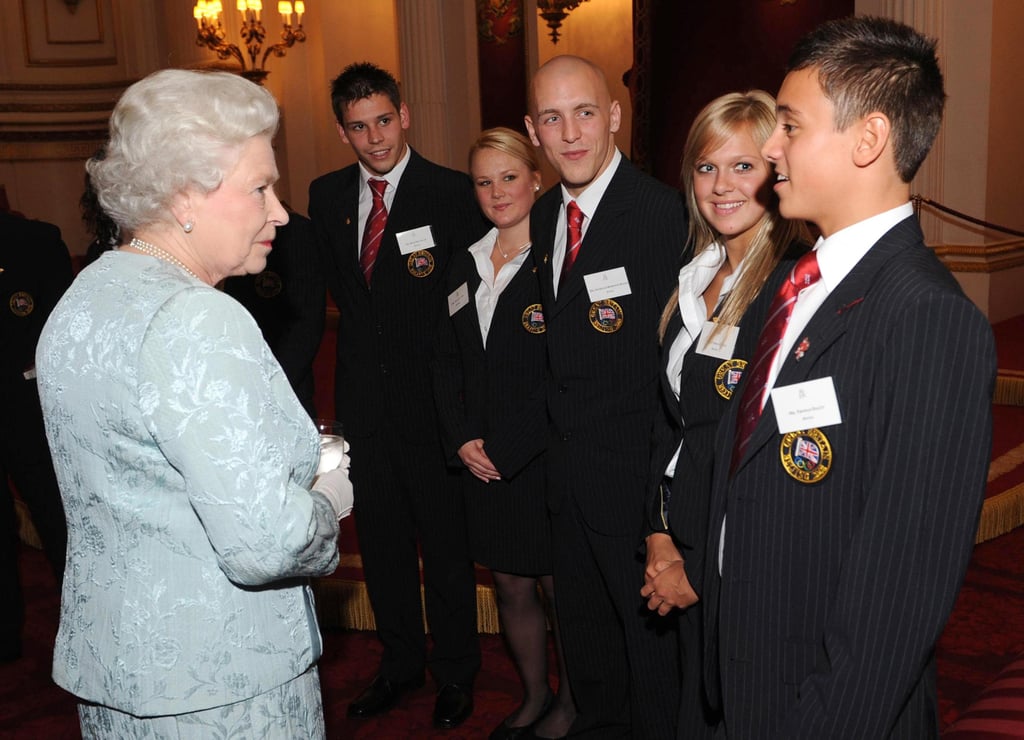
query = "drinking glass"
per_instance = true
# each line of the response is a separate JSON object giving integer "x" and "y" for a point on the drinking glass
{"x": 332, "y": 444}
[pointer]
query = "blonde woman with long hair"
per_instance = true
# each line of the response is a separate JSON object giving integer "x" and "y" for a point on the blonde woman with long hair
{"x": 736, "y": 239}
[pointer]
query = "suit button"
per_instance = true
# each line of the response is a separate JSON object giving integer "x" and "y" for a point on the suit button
{"x": 380, "y": 330}
{"x": 562, "y": 389}
{"x": 383, "y": 369}
{"x": 566, "y": 436}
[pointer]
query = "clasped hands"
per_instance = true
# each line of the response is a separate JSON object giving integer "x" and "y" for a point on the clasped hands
{"x": 666, "y": 585}
{"x": 332, "y": 479}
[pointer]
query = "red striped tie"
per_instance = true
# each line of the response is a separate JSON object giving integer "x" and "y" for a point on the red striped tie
{"x": 574, "y": 220}
{"x": 804, "y": 274}
{"x": 374, "y": 229}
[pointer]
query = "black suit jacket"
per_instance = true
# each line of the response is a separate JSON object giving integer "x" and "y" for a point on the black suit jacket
{"x": 833, "y": 593}
{"x": 495, "y": 394}
{"x": 386, "y": 335}
{"x": 603, "y": 387}
{"x": 36, "y": 272}
{"x": 287, "y": 299}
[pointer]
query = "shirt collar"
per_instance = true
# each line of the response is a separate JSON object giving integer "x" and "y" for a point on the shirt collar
{"x": 392, "y": 177}
{"x": 590, "y": 198}
{"x": 841, "y": 252}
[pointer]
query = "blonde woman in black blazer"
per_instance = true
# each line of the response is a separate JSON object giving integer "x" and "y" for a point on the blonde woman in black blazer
{"x": 736, "y": 238}
{"x": 488, "y": 383}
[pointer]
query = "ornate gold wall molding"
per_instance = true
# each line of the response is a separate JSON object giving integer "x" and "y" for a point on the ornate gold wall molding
{"x": 982, "y": 258}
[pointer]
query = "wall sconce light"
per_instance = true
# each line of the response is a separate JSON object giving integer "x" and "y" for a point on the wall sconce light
{"x": 556, "y": 11}
{"x": 211, "y": 33}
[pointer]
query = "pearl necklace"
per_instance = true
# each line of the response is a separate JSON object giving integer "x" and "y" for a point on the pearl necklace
{"x": 155, "y": 251}
{"x": 514, "y": 254}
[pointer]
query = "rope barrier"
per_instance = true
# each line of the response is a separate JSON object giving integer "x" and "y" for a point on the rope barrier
{"x": 919, "y": 199}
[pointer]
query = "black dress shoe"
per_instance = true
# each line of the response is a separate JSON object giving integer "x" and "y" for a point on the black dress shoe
{"x": 381, "y": 695}
{"x": 454, "y": 704}
{"x": 505, "y": 731}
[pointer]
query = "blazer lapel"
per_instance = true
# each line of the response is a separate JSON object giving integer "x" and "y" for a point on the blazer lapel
{"x": 346, "y": 204}
{"x": 543, "y": 219}
{"x": 468, "y": 315}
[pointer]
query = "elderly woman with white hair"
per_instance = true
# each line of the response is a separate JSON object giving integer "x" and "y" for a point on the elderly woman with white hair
{"x": 184, "y": 459}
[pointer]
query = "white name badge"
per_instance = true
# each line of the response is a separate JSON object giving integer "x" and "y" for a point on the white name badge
{"x": 414, "y": 240}
{"x": 457, "y": 299}
{"x": 723, "y": 343}
{"x": 806, "y": 405}
{"x": 607, "y": 284}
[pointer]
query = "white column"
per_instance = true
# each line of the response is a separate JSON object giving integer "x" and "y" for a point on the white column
{"x": 439, "y": 77}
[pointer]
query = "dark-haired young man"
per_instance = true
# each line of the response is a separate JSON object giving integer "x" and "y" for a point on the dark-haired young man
{"x": 850, "y": 476}
{"x": 386, "y": 228}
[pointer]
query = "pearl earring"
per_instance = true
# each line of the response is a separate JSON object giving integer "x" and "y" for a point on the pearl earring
{"x": 187, "y": 227}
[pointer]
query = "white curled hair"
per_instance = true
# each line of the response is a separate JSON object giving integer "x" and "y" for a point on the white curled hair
{"x": 172, "y": 131}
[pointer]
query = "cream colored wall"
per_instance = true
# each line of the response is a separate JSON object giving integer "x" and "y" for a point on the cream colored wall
{"x": 975, "y": 164}
{"x": 44, "y": 179}
{"x": 339, "y": 33}
{"x": 1004, "y": 189}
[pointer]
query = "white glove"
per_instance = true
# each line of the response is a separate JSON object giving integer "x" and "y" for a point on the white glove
{"x": 336, "y": 487}
{"x": 333, "y": 454}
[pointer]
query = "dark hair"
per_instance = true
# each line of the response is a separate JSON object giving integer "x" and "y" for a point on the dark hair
{"x": 868, "y": 64}
{"x": 361, "y": 80}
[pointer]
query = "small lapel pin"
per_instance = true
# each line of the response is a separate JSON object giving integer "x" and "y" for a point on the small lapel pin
{"x": 801, "y": 349}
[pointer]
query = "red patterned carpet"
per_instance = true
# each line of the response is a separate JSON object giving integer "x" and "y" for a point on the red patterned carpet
{"x": 32, "y": 707}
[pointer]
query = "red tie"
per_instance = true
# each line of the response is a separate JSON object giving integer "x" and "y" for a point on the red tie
{"x": 574, "y": 220}
{"x": 374, "y": 229}
{"x": 804, "y": 274}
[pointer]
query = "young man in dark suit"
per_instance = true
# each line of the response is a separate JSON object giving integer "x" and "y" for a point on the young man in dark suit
{"x": 606, "y": 244}
{"x": 386, "y": 228}
{"x": 850, "y": 476}
{"x": 35, "y": 270}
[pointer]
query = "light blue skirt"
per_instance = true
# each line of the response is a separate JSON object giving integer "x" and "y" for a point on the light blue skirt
{"x": 291, "y": 711}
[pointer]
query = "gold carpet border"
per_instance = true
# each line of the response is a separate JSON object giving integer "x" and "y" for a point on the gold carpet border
{"x": 1009, "y": 388}
{"x": 342, "y": 603}
{"x": 1000, "y": 514}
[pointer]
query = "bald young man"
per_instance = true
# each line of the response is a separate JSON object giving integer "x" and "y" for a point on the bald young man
{"x": 602, "y": 317}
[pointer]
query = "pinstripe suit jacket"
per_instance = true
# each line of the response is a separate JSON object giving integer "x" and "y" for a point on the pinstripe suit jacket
{"x": 494, "y": 394}
{"x": 603, "y": 388}
{"x": 385, "y": 336}
{"x": 833, "y": 593}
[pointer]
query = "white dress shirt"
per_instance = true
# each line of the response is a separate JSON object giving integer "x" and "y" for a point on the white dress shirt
{"x": 491, "y": 285}
{"x": 694, "y": 279}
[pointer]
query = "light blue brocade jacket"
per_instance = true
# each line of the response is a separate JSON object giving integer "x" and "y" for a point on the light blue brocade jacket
{"x": 184, "y": 461}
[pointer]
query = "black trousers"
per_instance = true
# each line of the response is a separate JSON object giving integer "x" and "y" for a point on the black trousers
{"x": 623, "y": 660}
{"x": 25, "y": 457}
{"x": 407, "y": 503}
